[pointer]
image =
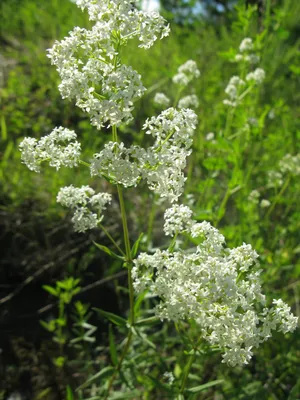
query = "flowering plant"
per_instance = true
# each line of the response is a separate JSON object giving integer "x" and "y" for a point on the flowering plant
{"x": 208, "y": 284}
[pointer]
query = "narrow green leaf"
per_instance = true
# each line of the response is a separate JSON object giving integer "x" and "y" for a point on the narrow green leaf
{"x": 136, "y": 245}
{"x": 115, "y": 319}
{"x": 201, "y": 388}
{"x": 108, "y": 251}
{"x": 69, "y": 394}
{"x": 3, "y": 129}
{"x": 121, "y": 395}
{"x": 50, "y": 290}
{"x": 43, "y": 394}
{"x": 104, "y": 373}
{"x": 148, "y": 321}
{"x": 112, "y": 346}
{"x": 139, "y": 301}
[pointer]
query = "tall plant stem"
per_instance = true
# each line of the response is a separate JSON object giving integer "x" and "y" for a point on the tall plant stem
{"x": 277, "y": 198}
{"x": 188, "y": 367}
{"x": 130, "y": 281}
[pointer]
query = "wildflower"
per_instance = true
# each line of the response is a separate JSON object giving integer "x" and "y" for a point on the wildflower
{"x": 59, "y": 148}
{"x": 190, "y": 101}
{"x": 232, "y": 90}
{"x": 83, "y": 200}
{"x": 257, "y": 76}
{"x": 88, "y": 60}
{"x": 265, "y": 203}
{"x": 161, "y": 100}
{"x": 246, "y": 45}
{"x": 210, "y": 136}
{"x": 254, "y": 196}
{"x": 216, "y": 286}
{"x": 186, "y": 73}
{"x": 290, "y": 164}
{"x": 177, "y": 219}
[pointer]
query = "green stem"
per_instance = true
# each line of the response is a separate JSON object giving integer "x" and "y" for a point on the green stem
{"x": 151, "y": 220}
{"x": 277, "y": 198}
{"x": 112, "y": 240}
{"x": 84, "y": 163}
{"x": 130, "y": 281}
{"x": 186, "y": 373}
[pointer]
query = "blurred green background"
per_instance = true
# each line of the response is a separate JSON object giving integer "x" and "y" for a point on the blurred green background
{"x": 38, "y": 245}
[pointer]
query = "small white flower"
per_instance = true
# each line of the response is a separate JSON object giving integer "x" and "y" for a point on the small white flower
{"x": 161, "y": 99}
{"x": 246, "y": 45}
{"x": 59, "y": 148}
{"x": 257, "y": 75}
{"x": 177, "y": 219}
{"x": 83, "y": 200}
{"x": 190, "y": 101}
{"x": 265, "y": 203}
{"x": 186, "y": 73}
{"x": 210, "y": 136}
{"x": 290, "y": 164}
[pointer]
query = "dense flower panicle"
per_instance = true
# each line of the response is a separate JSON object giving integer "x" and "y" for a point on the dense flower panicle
{"x": 245, "y": 54}
{"x": 258, "y": 76}
{"x": 246, "y": 45}
{"x": 127, "y": 20}
{"x": 88, "y": 60}
{"x": 160, "y": 165}
{"x": 217, "y": 286}
{"x": 83, "y": 201}
{"x": 254, "y": 196}
{"x": 161, "y": 100}
{"x": 274, "y": 179}
{"x": 178, "y": 126}
{"x": 116, "y": 161}
{"x": 177, "y": 219}
{"x": 59, "y": 148}
{"x": 186, "y": 73}
{"x": 232, "y": 90}
{"x": 190, "y": 101}
{"x": 290, "y": 164}
{"x": 265, "y": 203}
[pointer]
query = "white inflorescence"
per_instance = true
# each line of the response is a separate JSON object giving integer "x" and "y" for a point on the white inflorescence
{"x": 186, "y": 73}
{"x": 246, "y": 45}
{"x": 88, "y": 60}
{"x": 84, "y": 201}
{"x": 161, "y": 100}
{"x": 214, "y": 285}
{"x": 160, "y": 165}
{"x": 59, "y": 148}
{"x": 232, "y": 90}
{"x": 190, "y": 101}
{"x": 258, "y": 75}
{"x": 290, "y": 164}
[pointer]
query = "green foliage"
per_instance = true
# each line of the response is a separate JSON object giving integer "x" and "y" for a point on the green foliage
{"x": 248, "y": 143}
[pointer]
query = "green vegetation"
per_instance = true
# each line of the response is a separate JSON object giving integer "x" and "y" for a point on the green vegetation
{"x": 235, "y": 181}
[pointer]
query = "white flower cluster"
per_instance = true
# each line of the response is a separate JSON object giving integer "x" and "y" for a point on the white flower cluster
{"x": 177, "y": 219}
{"x": 88, "y": 60}
{"x": 246, "y": 45}
{"x": 59, "y": 148}
{"x": 216, "y": 286}
{"x": 275, "y": 179}
{"x": 190, "y": 101}
{"x": 258, "y": 76}
{"x": 245, "y": 54}
{"x": 162, "y": 164}
{"x": 233, "y": 91}
{"x": 290, "y": 164}
{"x": 82, "y": 200}
{"x": 161, "y": 99}
{"x": 186, "y": 73}
{"x": 254, "y": 196}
